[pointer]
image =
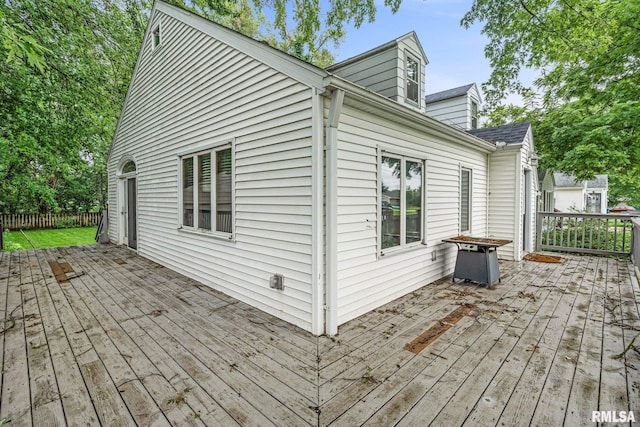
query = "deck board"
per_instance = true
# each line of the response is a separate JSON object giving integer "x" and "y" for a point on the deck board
{"x": 117, "y": 339}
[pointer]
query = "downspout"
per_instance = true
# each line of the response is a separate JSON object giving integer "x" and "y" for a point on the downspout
{"x": 317, "y": 203}
{"x": 518, "y": 203}
{"x": 488, "y": 197}
{"x": 331, "y": 173}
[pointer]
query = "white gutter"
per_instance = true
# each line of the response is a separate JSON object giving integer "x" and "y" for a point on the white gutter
{"x": 331, "y": 253}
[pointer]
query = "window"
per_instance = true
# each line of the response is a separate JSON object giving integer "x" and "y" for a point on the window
{"x": 413, "y": 80}
{"x": 207, "y": 192}
{"x": 474, "y": 115}
{"x": 401, "y": 202}
{"x": 155, "y": 36}
{"x": 465, "y": 200}
{"x": 129, "y": 167}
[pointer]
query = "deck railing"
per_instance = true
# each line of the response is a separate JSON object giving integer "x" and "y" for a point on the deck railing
{"x": 585, "y": 233}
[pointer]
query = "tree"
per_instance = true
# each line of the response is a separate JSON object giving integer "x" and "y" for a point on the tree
{"x": 57, "y": 119}
{"x": 65, "y": 66}
{"x": 588, "y": 52}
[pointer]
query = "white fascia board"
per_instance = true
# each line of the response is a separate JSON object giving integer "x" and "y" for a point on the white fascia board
{"x": 295, "y": 68}
{"x": 406, "y": 115}
{"x": 393, "y": 44}
{"x": 414, "y": 36}
{"x": 510, "y": 147}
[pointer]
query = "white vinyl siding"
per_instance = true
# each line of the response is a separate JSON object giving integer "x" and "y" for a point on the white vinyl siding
{"x": 507, "y": 198}
{"x": 365, "y": 280}
{"x": 378, "y": 73}
{"x": 385, "y": 72}
{"x": 504, "y": 203}
{"x": 457, "y": 111}
{"x": 196, "y": 90}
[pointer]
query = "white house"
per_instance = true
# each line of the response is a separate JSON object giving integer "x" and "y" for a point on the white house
{"x": 572, "y": 195}
{"x": 286, "y": 186}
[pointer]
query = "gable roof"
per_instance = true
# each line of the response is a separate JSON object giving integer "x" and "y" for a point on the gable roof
{"x": 510, "y": 134}
{"x": 449, "y": 93}
{"x": 306, "y": 73}
{"x": 389, "y": 45}
{"x": 569, "y": 181}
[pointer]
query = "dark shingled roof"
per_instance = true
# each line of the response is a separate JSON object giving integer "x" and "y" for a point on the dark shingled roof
{"x": 449, "y": 93}
{"x": 569, "y": 181}
{"x": 509, "y": 134}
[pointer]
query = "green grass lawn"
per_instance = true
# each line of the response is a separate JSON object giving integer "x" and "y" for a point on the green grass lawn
{"x": 14, "y": 240}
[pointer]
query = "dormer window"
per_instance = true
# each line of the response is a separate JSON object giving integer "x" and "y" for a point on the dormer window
{"x": 155, "y": 37}
{"x": 474, "y": 115}
{"x": 413, "y": 80}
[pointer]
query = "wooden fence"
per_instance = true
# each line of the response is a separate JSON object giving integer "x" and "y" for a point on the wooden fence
{"x": 61, "y": 220}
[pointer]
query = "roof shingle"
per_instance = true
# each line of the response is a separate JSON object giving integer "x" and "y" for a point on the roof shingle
{"x": 509, "y": 134}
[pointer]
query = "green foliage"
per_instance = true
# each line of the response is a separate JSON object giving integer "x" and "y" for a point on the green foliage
{"x": 65, "y": 66}
{"x": 588, "y": 52}
{"x": 57, "y": 118}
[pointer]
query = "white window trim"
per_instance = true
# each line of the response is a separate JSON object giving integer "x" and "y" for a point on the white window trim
{"x": 122, "y": 178}
{"x": 475, "y": 116}
{"x": 158, "y": 27}
{"x": 460, "y": 230}
{"x": 211, "y": 149}
{"x": 405, "y": 155}
{"x": 408, "y": 56}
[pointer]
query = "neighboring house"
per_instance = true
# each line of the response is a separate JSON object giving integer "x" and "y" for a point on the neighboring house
{"x": 457, "y": 107}
{"x": 572, "y": 195}
{"x": 286, "y": 186}
{"x": 513, "y": 185}
{"x": 547, "y": 186}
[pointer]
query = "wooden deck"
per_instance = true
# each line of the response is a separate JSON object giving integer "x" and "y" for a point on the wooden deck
{"x": 94, "y": 335}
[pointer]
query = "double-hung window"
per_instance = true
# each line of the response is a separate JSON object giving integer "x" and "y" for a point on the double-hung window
{"x": 465, "y": 200}
{"x": 401, "y": 201}
{"x": 207, "y": 190}
{"x": 474, "y": 115}
{"x": 413, "y": 80}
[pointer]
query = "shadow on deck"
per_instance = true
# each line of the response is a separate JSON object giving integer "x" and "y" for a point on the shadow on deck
{"x": 95, "y": 335}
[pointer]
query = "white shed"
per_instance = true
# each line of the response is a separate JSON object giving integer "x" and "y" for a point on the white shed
{"x": 572, "y": 195}
{"x": 284, "y": 185}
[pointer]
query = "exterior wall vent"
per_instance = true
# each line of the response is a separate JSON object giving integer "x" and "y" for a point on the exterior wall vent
{"x": 277, "y": 282}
